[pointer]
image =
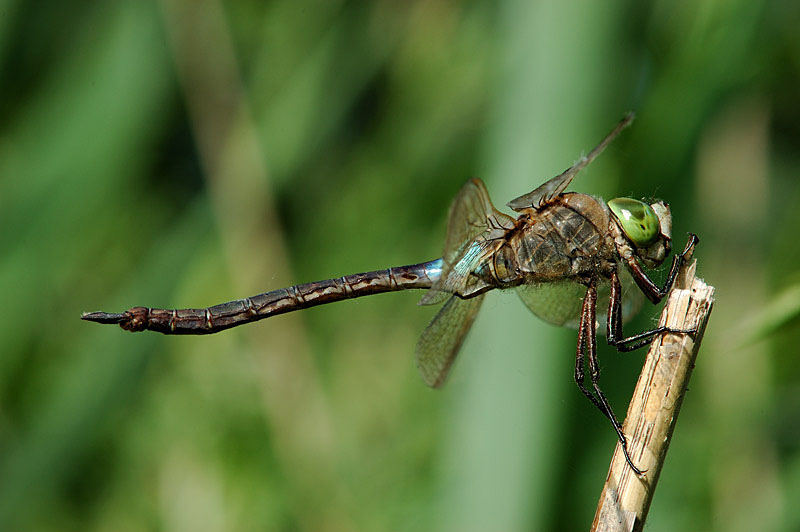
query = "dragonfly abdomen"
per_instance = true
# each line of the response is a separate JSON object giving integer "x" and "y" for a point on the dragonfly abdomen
{"x": 226, "y": 315}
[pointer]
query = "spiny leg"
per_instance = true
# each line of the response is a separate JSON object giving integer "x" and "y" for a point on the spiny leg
{"x": 615, "y": 336}
{"x": 587, "y": 345}
{"x": 579, "y": 361}
{"x": 651, "y": 289}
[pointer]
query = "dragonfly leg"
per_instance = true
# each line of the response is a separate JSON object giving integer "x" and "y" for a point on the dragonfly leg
{"x": 653, "y": 292}
{"x": 615, "y": 336}
{"x": 580, "y": 377}
{"x": 587, "y": 348}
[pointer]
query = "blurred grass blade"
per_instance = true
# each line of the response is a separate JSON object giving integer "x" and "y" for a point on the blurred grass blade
{"x": 776, "y": 315}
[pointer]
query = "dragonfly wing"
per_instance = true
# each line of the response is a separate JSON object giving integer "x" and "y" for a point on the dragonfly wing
{"x": 560, "y": 302}
{"x": 557, "y": 302}
{"x": 545, "y": 193}
{"x": 471, "y": 223}
{"x": 632, "y": 296}
{"x": 471, "y": 214}
{"x": 439, "y": 344}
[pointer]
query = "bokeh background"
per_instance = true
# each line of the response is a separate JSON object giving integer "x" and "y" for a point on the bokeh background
{"x": 180, "y": 154}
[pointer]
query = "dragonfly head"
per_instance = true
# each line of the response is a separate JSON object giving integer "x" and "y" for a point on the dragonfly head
{"x": 647, "y": 227}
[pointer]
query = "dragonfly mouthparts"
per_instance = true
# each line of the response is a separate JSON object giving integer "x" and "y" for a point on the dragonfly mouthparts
{"x": 103, "y": 317}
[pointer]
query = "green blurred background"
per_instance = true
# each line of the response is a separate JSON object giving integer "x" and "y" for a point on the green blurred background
{"x": 181, "y": 154}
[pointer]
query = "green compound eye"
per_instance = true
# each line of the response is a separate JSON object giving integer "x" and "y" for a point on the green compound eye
{"x": 637, "y": 219}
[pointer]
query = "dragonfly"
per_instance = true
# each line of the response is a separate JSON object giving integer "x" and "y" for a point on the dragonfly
{"x": 563, "y": 252}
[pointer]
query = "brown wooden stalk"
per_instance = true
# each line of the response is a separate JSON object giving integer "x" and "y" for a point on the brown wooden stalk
{"x": 653, "y": 411}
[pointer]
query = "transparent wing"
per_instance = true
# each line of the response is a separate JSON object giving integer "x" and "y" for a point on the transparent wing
{"x": 632, "y": 296}
{"x": 560, "y": 302}
{"x": 471, "y": 214}
{"x": 471, "y": 223}
{"x": 439, "y": 344}
{"x": 548, "y": 191}
{"x": 545, "y": 193}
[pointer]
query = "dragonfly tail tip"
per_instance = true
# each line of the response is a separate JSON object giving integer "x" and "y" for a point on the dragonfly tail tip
{"x": 103, "y": 317}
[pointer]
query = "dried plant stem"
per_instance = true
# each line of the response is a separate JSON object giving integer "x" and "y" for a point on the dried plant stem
{"x": 653, "y": 411}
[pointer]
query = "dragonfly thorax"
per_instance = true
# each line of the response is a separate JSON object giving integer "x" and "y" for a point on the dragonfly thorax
{"x": 506, "y": 269}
